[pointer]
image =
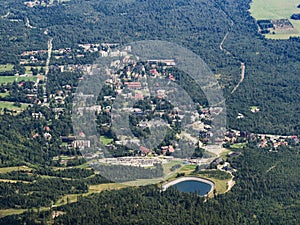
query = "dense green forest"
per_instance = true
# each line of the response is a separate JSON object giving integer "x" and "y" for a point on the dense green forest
{"x": 266, "y": 192}
{"x": 272, "y": 66}
{"x": 267, "y": 183}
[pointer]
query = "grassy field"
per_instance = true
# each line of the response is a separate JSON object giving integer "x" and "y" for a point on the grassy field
{"x": 277, "y": 9}
{"x": 10, "y": 79}
{"x": 6, "y": 67}
{"x": 221, "y": 185}
{"x": 28, "y": 68}
{"x": 8, "y": 212}
{"x": 224, "y": 152}
{"x": 92, "y": 189}
{"x": 15, "y": 168}
{"x": 188, "y": 168}
{"x": 63, "y": 157}
{"x": 3, "y": 95}
{"x": 143, "y": 182}
{"x": 167, "y": 166}
{"x": 11, "y": 106}
{"x": 105, "y": 140}
{"x": 238, "y": 145}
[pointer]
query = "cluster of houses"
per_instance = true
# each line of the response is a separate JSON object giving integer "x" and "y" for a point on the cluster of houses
{"x": 271, "y": 142}
{"x": 44, "y": 2}
{"x": 131, "y": 83}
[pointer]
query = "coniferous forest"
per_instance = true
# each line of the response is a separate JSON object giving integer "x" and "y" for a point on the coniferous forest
{"x": 38, "y": 167}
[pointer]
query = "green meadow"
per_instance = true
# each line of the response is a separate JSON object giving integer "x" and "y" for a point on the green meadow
{"x": 6, "y": 67}
{"x": 277, "y": 9}
{"x": 10, "y": 79}
{"x": 11, "y": 106}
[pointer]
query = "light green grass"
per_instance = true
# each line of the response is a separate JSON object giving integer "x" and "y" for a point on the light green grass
{"x": 14, "y": 181}
{"x": 167, "y": 166}
{"x": 10, "y": 79}
{"x": 70, "y": 198}
{"x": 188, "y": 168}
{"x": 11, "y": 106}
{"x": 277, "y": 9}
{"x": 104, "y": 140}
{"x": 225, "y": 152}
{"x": 6, "y": 67}
{"x": 7, "y": 79}
{"x": 220, "y": 185}
{"x": 238, "y": 145}
{"x": 28, "y": 68}
{"x": 15, "y": 168}
{"x": 3, "y": 95}
{"x": 253, "y": 107}
{"x": 83, "y": 166}
{"x": 8, "y": 212}
{"x": 63, "y": 157}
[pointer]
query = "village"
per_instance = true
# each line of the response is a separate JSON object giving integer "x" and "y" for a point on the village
{"x": 130, "y": 83}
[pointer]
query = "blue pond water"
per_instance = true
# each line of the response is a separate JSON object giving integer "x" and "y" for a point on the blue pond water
{"x": 193, "y": 186}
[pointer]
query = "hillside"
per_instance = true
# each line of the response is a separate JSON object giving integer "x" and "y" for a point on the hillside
{"x": 45, "y": 48}
{"x": 271, "y": 66}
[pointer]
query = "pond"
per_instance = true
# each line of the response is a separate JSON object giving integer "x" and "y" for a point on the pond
{"x": 191, "y": 185}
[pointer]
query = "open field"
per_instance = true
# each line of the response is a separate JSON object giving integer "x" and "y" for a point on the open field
{"x": 11, "y": 106}
{"x": 6, "y": 67}
{"x": 28, "y": 68}
{"x": 188, "y": 168}
{"x": 224, "y": 152}
{"x": 92, "y": 189}
{"x": 8, "y": 212}
{"x": 105, "y": 140}
{"x": 14, "y": 181}
{"x": 277, "y": 9}
{"x": 63, "y": 157}
{"x": 83, "y": 166}
{"x": 3, "y": 95}
{"x": 167, "y": 166}
{"x": 143, "y": 182}
{"x": 15, "y": 168}
{"x": 10, "y": 79}
{"x": 238, "y": 145}
{"x": 220, "y": 185}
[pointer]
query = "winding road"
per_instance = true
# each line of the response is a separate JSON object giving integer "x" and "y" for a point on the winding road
{"x": 27, "y": 23}
{"x": 243, "y": 67}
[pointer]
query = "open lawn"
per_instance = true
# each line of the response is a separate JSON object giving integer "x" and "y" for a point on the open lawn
{"x": 224, "y": 152}
{"x": 83, "y": 166}
{"x": 167, "y": 166}
{"x": 8, "y": 212}
{"x": 6, "y": 67}
{"x": 15, "y": 168}
{"x": 63, "y": 157}
{"x": 92, "y": 189}
{"x": 220, "y": 184}
{"x": 188, "y": 168}
{"x": 277, "y": 9}
{"x": 143, "y": 182}
{"x": 11, "y": 106}
{"x": 238, "y": 145}
{"x": 104, "y": 140}
{"x": 14, "y": 181}
{"x": 3, "y": 95}
{"x": 28, "y": 68}
{"x": 10, "y": 79}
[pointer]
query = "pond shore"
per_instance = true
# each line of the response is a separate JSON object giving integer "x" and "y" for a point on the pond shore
{"x": 181, "y": 179}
